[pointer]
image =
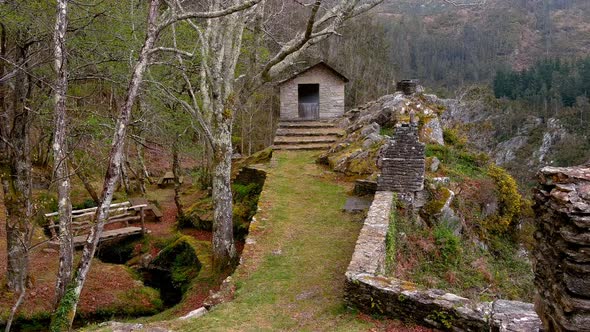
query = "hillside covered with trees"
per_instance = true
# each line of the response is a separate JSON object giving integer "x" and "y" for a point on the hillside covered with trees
{"x": 143, "y": 114}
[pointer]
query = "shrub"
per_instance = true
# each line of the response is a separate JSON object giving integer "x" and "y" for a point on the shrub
{"x": 88, "y": 203}
{"x": 452, "y": 137}
{"x": 448, "y": 243}
{"x": 509, "y": 199}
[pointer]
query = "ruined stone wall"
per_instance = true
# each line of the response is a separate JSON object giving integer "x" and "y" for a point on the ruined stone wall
{"x": 371, "y": 292}
{"x": 561, "y": 259}
{"x": 402, "y": 168}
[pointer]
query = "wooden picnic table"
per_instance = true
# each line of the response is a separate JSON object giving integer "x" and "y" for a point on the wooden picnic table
{"x": 168, "y": 178}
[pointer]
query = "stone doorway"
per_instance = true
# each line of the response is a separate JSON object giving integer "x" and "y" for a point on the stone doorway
{"x": 309, "y": 101}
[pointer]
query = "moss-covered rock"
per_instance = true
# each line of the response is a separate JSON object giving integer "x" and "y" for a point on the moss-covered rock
{"x": 199, "y": 215}
{"x": 259, "y": 157}
{"x": 180, "y": 260}
{"x": 369, "y": 126}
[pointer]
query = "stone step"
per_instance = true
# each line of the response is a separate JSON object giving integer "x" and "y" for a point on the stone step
{"x": 300, "y": 147}
{"x": 310, "y": 132}
{"x": 305, "y": 124}
{"x": 298, "y": 140}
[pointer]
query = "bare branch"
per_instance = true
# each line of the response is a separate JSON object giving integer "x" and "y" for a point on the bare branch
{"x": 211, "y": 14}
{"x": 170, "y": 49}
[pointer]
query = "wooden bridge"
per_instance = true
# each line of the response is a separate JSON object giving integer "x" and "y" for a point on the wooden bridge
{"x": 83, "y": 220}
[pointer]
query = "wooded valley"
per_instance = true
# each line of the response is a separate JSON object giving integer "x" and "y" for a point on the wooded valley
{"x": 104, "y": 102}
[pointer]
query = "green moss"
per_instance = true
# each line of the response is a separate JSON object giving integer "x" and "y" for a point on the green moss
{"x": 64, "y": 314}
{"x": 458, "y": 163}
{"x": 199, "y": 215}
{"x": 437, "y": 201}
{"x": 180, "y": 259}
{"x": 443, "y": 318}
{"x": 259, "y": 157}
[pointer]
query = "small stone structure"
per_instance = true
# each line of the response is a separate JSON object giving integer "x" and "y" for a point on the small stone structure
{"x": 408, "y": 87}
{"x": 403, "y": 162}
{"x": 314, "y": 93}
{"x": 562, "y": 254}
{"x": 368, "y": 290}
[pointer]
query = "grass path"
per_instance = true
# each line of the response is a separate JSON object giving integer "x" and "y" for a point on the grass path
{"x": 292, "y": 278}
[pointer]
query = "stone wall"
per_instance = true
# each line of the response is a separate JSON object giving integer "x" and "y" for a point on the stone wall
{"x": 403, "y": 162}
{"x": 371, "y": 292}
{"x": 562, "y": 254}
{"x": 331, "y": 93}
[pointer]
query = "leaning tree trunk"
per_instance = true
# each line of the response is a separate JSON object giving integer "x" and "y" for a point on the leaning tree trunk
{"x": 63, "y": 317}
{"x": 224, "y": 251}
{"x": 86, "y": 180}
{"x": 60, "y": 153}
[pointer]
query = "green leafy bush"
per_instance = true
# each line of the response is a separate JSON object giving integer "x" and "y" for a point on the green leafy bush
{"x": 448, "y": 243}
{"x": 509, "y": 198}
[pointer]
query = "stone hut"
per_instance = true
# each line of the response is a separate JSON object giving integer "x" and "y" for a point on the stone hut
{"x": 314, "y": 93}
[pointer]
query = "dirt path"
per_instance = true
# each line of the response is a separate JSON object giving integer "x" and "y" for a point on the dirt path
{"x": 292, "y": 277}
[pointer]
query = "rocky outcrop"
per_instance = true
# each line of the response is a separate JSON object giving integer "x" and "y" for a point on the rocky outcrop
{"x": 562, "y": 254}
{"x": 369, "y": 126}
{"x": 532, "y": 141}
{"x": 553, "y": 134}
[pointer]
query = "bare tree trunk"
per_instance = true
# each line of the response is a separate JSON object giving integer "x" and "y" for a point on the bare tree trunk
{"x": 60, "y": 152}
{"x": 224, "y": 251}
{"x": 4, "y": 119}
{"x": 21, "y": 296}
{"x": 17, "y": 185}
{"x": 63, "y": 316}
{"x": 176, "y": 172}
{"x": 143, "y": 173}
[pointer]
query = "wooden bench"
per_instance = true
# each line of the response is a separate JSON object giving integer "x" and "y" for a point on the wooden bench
{"x": 83, "y": 220}
{"x": 149, "y": 207}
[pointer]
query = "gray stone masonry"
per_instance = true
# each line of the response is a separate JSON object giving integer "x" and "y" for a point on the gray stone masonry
{"x": 561, "y": 259}
{"x": 331, "y": 93}
{"x": 403, "y": 162}
{"x": 369, "y": 255}
{"x": 368, "y": 290}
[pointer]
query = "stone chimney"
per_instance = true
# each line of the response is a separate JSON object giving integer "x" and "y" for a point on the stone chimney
{"x": 561, "y": 259}
{"x": 403, "y": 162}
{"x": 408, "y": 87}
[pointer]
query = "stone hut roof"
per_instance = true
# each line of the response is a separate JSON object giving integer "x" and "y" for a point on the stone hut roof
{"x": 321, "y": 63}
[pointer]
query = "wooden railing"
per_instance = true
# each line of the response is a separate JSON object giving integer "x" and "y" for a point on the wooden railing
{"x": 83, "y": 220}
